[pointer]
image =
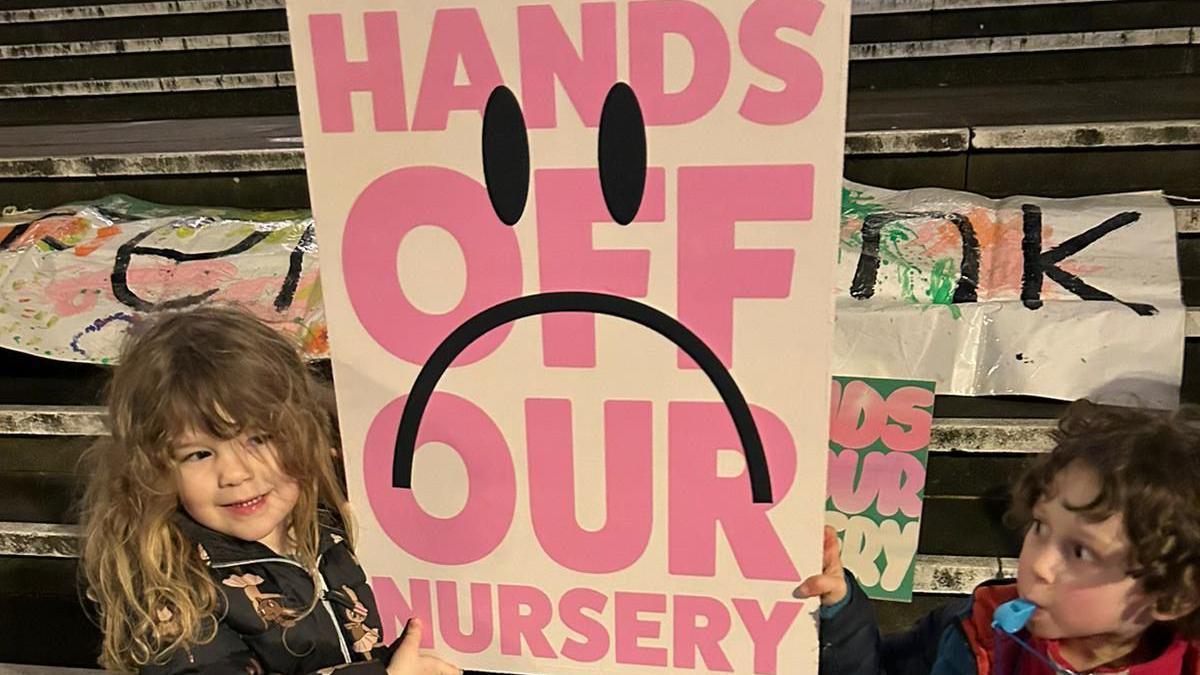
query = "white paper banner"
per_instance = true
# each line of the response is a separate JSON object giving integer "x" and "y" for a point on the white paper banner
{"x": 73, "y": 279}
{"x": 1059, "y": 298}
{"x": 58, "y": 299}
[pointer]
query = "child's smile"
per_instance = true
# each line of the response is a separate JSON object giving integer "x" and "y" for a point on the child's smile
{"x": 249, "y": 506}
{"x": 235, "y": 486}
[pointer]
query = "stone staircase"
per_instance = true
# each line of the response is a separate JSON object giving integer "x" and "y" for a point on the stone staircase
{"x": 192, "y": 101}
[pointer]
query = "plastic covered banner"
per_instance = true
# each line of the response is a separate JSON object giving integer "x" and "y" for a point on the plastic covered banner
{"x": 1061, "y": 298}
{"x": 74, "y": 278}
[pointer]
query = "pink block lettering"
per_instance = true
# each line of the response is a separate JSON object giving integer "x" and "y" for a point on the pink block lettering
{"x": 630, "y": 628}
{"x": 850, "y": 490}
{"x": 547, "y": 53}
{"x": 860, "y": 417}
{"x": 766, "y": 632}
{"x": 480, "y": 637}
{"x": 569, "y": 202}
{"x": 571, "y": 606}
{"x": 395, "y": 610}
{"x": 711, "y": 201}
{"x": 492, "y": 494}
{"x": 457, "y": 34}
{"x": 835, "y": 400}
{"x": 649, "y": 23}
{"x": 895, "y": 478}
{"x": 628, "y": 485}
{"x": 387, "y": 210}
{"x": 699, "y": 500}
{"x": 904, "y": 478}
{"x": 381, "y": 73}
{"x": 524, "y": 614}
{"x": 908, "y": 406}
{"x": 691, "y": 637}
{"x": 759, "y": 41}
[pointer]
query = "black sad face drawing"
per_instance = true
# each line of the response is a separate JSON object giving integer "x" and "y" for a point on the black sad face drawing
{"x": 622, "y": 166}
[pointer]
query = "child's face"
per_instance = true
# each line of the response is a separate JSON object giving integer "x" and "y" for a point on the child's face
{"x": 1076, "y": 571}
{"x": 235, "y": 486}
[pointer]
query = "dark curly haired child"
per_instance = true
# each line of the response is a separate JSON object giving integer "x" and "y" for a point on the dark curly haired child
{"x": 1110, "y": 564}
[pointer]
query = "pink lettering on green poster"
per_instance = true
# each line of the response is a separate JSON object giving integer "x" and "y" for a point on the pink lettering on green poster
{"x": 878, "y": 447}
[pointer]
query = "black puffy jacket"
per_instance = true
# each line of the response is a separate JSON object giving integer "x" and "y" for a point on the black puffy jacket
{"x": 852, "y": 645}
{"x": 261, "y": 625}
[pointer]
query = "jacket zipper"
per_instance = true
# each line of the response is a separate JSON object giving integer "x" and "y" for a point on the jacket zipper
{"x": 321, "y": 590}
{"x": 324, "y": 588}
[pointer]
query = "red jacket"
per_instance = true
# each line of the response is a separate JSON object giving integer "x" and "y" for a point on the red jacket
{"x": 955, "y": 639}
{"x": 996, "y": 653}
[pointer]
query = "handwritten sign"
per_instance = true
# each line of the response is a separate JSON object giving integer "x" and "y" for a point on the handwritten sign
{"x": 73, "y": 279}
{"x": 878, "y": 449}
{"x": 578, "y": 265}
{"x": 1062, "y": 298}
{"x": 930, "y": 283}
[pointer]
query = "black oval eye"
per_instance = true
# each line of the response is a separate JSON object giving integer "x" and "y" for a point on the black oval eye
{"x": 622, "y": 153}
{"x": 505, "y": 155}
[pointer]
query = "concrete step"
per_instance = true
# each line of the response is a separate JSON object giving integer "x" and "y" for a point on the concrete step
{"x": 1153, "y": 38}
{"x": 939, "y": 574}
{"x": 33, "y": 11}
{"x": 147, "y": 85}
{"x": 1023, "y": 44}
{"x": 254, "y": 144}
{"x": 42, "y": 480}
{"x": 874, "y": 7}
{"x": 62, "y": 11}
{"x": 972, "y": 435}
{"x": 257, "y": 162}
{"x": 890, "y": 20}
{"x": 1077, "y": 55}
{"x": 873, "y": 20}
{"x": 50, "y": 10}
{"x": 970, "y": 15}
{"x": 153, "y": 44}
{"x": 139, "y": 20}
{"x": 868, "y": 51}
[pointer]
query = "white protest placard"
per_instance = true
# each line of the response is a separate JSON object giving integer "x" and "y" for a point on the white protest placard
{"x": 577, "y": 261}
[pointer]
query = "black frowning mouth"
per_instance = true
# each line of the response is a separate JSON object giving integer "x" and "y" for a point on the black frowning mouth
{"x": 579, "y": 301}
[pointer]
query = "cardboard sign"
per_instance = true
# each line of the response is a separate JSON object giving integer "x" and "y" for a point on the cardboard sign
{"x": 878, "y": 449}
{"x": 578, "y": 272}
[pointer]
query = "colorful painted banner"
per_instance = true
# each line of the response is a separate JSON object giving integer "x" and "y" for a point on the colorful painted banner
{"x": 578, "y": 264}
{"x": 1061, "y": 298}
{"x": 878, "y": 448}
{"x": 74, "y": 278}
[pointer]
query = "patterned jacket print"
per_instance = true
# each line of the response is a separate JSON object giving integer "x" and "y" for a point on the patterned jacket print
{"x": 261, "y": 626}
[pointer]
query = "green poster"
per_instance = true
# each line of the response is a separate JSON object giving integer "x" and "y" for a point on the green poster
{"x": 878, "y": 447}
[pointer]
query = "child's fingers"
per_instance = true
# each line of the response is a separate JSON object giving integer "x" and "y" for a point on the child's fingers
{"x": 830, "y": 587}
{"x": 806, "y": 588}
{"x": 831, "y": 559}
{"x": 432, "y": 665}
{"x": 818, "y": 584}
{"x": 410, "y": 643}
